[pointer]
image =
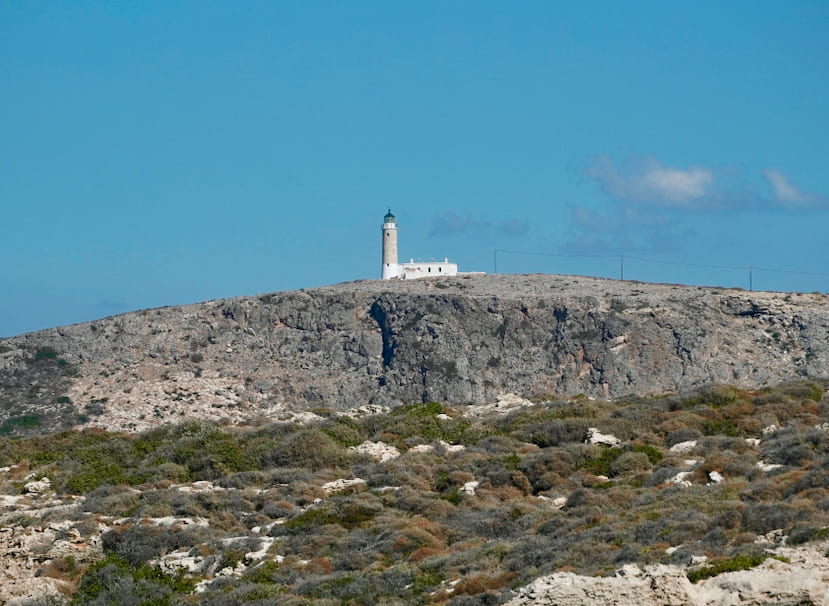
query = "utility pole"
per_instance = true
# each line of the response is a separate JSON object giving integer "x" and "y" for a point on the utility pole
{"x": 750, "y": 278}
{"x": 495, "y": 260}
{"x": 622, "y": 267}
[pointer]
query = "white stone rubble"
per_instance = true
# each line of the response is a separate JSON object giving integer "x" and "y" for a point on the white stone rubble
{"x": 594, "y": 436}
{"x": 715, "y": 477}
{"x": 38, "y": 486}
{"x": 505, "y": 403}
{"x": 470, "y": 487}
{"x": 682, "y": 478}
{"x": 427, "y": 448}
{"x": 768, "y": 466}
{"x": 683, "y": 447}
{"x": 380, "y": 451}
{"x": 342, "y": 484}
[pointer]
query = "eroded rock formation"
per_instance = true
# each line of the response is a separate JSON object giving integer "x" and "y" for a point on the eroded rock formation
{"x": 458, "y": 340}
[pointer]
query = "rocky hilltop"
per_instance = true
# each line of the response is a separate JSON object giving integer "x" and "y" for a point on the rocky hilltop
{"x": 458, "y": 340}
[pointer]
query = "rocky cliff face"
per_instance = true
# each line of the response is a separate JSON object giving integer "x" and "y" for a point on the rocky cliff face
{"x": 458, "y": 340}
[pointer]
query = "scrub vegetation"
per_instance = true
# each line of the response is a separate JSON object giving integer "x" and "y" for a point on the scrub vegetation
{"x": 525, "y": 497}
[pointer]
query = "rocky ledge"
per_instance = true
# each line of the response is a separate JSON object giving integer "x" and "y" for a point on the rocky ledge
{"x": 792, "y": 576}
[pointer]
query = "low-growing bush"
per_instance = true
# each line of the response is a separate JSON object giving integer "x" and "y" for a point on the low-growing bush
{"x": 738, "y": 562}
{"x": 115, "y": 581}
{"x": 139, "y": 543}
{"x": 306, "y": 448}
{"x": 630, "y": 462}
{"x": 764, "y": 517}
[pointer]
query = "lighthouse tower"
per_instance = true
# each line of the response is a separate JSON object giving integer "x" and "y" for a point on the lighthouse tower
{"x": 390, "y": 267}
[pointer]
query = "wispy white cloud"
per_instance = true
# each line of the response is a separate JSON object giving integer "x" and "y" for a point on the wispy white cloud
{"x": 649, "y": 206}
{"x": 449, "y": 223}
{"x": 678, "y": 186}
{"x": 647, "y": 181}
{"x": 639, "y": 181}
{"x": 784, "y": 191}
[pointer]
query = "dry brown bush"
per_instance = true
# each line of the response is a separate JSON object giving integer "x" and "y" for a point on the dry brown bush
{"x": 521, "y": 482}
{"x": 499, "y": 494}
{"x": 479, "y": 583}
{"x": 422, "y": 553}
{"x": 742, "y": 408}
{"x": 460, "y": 478}
{"x": 621, "y": 496}
{"x": 810, "y": 407}
{"x": 319, "y": 566}
{"x": 669, "y": 422}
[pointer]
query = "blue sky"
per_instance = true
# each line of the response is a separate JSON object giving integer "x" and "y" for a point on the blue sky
{"x": 166, "y": 153}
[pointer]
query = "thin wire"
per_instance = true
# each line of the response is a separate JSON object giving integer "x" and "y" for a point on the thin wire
{"x": 665, "y": 262}
{"x": 792, "y": 271}
{"x": 740, "y": 267}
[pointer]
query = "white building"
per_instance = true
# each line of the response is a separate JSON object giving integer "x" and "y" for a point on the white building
{"x": 406, "y": 271}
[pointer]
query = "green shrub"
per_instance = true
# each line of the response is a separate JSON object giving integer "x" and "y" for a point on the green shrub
{"x": 311, "y": 519}
{"x": 715, "y": 396}
{"x": 23, "y": 422}
{"x": 721, "y": 427}
{"x": 114, "y": 581}
{"x": 46, "y": 353}
{"x": 601, "y": 465}
{"x": 654, "y": 454}
{"x": 307, "y": 447}
{"x": 95, "y": 474}
{"x": 738, "y": 562}
{"x": 428, "y": 409}
{"x": 344, "y": 431}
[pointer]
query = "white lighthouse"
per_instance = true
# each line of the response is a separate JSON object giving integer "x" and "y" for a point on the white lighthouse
{"x": 390, "y": 269}
{"x": 407, "y": 271}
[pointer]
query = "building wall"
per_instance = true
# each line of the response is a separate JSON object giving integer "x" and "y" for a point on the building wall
{"x": 434, "y": 269}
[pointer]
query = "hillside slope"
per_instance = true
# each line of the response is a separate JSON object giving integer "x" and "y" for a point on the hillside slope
{"x": 456, "y": 340}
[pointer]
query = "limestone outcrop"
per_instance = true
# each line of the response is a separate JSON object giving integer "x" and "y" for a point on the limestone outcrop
{"x": 803, "y": 579}
{"x": 460, "y": 340}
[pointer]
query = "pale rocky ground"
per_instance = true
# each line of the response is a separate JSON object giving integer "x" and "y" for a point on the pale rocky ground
{"x": 37, "y": 530}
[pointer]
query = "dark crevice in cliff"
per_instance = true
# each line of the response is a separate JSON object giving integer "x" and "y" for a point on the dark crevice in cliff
{"x": 379, "y": 315}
